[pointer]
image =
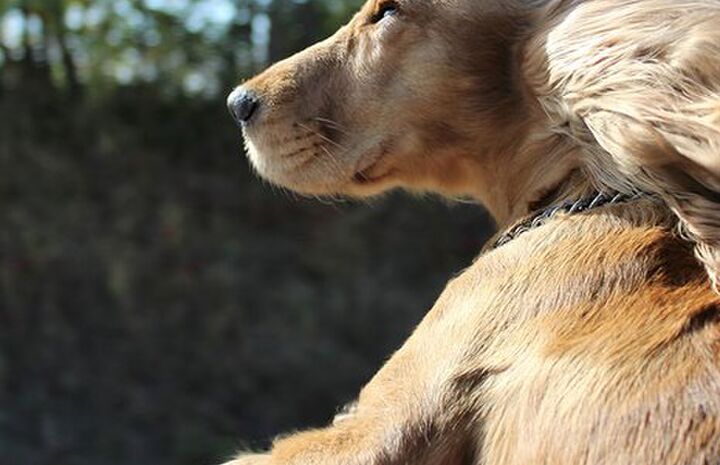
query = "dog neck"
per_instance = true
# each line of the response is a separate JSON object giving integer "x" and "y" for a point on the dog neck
{"x": 527, "y": 175}
{"x": 507, "y": 154}
{"x": 533, "y": 162}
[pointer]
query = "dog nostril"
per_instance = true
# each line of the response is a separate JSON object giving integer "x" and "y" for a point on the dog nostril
{"x": 242, "y": 104}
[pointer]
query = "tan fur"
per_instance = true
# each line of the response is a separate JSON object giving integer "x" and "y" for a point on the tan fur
{"x": 594, "y": 339}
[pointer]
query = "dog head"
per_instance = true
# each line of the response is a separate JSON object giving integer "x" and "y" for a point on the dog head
{"x": 403, "y": 96}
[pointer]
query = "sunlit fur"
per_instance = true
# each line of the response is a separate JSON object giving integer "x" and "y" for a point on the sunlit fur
{"x": 594, "y": 339}
{"x": 498, "y": 100}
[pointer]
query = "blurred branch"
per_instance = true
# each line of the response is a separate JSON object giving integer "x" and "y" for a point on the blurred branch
{"x": 94, "y": 48}
{"x": 27, "y": 46}
{"x": 68, "y": 62}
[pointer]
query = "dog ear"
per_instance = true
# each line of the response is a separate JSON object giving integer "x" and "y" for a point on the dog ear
{"x": 640, "y": 90}
{"x": 672, "y": 155}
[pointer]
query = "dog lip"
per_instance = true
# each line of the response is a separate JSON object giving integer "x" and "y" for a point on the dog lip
{"x": 364, "y": 176}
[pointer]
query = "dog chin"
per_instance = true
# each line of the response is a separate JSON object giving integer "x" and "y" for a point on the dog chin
{"x": 343, "y": 187}
{"x": 367, "y": 175}
{"x": 305, "y": 184}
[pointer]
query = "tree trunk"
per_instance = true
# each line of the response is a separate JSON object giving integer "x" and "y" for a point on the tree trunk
{"x": 68, "y": 61}
{"x": 28, "y": 55}
{"x": 5, "y": 63}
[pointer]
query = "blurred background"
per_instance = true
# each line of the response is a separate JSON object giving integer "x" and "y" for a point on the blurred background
{"x": 158, "y": 303}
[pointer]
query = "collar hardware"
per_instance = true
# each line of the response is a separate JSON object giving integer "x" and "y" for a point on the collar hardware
{"x": 569, "y": 207}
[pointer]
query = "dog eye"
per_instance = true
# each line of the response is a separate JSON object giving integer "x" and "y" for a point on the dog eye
{"x": 386, "y": 10}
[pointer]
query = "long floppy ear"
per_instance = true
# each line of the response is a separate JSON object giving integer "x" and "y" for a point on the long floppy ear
{"x": 640, "y": 86}
{"x": 665, "y": 140}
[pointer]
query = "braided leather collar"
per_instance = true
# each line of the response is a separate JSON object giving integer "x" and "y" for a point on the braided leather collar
{"x": 541, "y": 217}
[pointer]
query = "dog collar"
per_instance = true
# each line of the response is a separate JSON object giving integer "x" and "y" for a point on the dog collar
{"x": 570, "y": 207}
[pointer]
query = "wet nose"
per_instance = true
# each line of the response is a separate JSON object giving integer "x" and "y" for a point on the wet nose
{"x": 242, "y": 104}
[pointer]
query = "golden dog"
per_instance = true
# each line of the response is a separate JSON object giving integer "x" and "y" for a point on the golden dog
{"x": 592, "y": 338}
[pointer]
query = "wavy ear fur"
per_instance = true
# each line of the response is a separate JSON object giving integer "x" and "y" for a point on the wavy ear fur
{"x": 640, "y": 88}
{"x": 649, "y": 161}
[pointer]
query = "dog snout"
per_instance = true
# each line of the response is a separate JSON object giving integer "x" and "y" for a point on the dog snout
{"x": 243, "y": 104}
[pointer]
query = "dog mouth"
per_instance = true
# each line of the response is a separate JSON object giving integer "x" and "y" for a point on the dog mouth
{"x": 374, "y": 171}
{"x": 307, "y": 160}
{"x": 369, "y": 175}
{"x": 373, "y": 174}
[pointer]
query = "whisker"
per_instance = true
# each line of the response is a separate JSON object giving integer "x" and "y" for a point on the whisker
{"x": 326, "y": 120}
{"x": 323, "y": 137}
{"x": 333, "y": 124}
{"x": 300, "y": 138}
{"x": 297, "y": 152}
{"x": 331, "y": 160}
{"x": 308, "y": 160}
{"x": 334, "y": 163}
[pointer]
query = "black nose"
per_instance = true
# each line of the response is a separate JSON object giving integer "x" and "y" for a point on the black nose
{"x": 242, "y": 104}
